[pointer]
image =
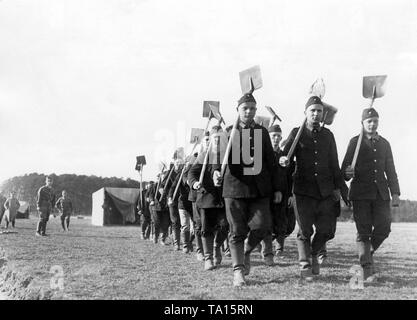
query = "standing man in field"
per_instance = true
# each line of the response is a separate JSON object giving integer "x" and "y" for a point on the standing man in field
{"x": 374, "y": 177}
{"x": 64, "y": 205}
{"x": 250, "y": 180}
{"x": 317, "y": 185}
{"x": 44, "y": 204}
{"x": 11, "y": 205}
{"x": 144, "y": 212}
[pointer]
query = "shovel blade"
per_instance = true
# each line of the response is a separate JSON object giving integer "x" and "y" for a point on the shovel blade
{"x": 263, "y": 121}
{"x": 329, "y": 113}
{"x": 369, "y": 82}
{"x": 206, "y": 107}
{"x": 196, "y": 135}
{"x": 245, "y": 76}
{"x": 215, "y": 112}
{"x": 140, "y": 160}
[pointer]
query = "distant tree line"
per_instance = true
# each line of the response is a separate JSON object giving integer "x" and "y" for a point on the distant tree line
{"x": 79, "y": 188}
{"x": 406, "y": 212}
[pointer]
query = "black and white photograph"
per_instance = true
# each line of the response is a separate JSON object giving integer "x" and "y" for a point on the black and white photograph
{"x": 204, "y": 155}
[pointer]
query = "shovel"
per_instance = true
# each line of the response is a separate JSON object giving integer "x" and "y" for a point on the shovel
{"x": 373, "y": 88}
{"x": 203, "y": 169}
{"x": 208, "y": 108}
{"x": 263, "y": 121}
{"x": 140, "y": 161}
{"x": 273, "y": 115}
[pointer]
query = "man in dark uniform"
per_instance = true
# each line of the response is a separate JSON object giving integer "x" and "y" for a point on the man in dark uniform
{"x": 283, "y": 218}
{"x": 159, "y": 211}
{"x": 316, "y": 187}
{"x": 44, "y": 204}
{"x": 64, "y": 205}
{"x": 374, "y": 177}
{"x": 192, "y": 196}
{"x": 149, "y": 189}
{"x": 183, "y": 206}
{"x": 174, "y": 214}
{"x": 214, "y": 226}
{"x": 145, "y": 214}
{"x": 250, "y": 180}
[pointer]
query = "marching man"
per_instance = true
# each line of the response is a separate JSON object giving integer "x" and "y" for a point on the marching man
{"x": 317, "y": 185}
{"x": 248, "y": 187}
{"x": 374, "y": 177}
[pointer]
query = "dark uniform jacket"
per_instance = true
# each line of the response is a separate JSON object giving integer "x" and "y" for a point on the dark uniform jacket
{"x": 317, "y": 172}
{"x": 238, "y": 185}
{"x": 64, "y": 206}
{"x": 181, "y": 198}
{"x": 46, "y": 199}
{"x": 374, "y": 170}
{"x": 208, "y": 196}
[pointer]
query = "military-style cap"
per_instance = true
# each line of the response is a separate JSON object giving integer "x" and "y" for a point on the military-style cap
{"x": 216, "y": 129}
{"x": 274, "y": 128}
{"x": 369, "y": 113}
{"x": 247, "y": 97}
{"x": 313, "y": 100}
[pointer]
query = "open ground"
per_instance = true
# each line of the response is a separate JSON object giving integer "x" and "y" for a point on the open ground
{"x": 114, "y": 263}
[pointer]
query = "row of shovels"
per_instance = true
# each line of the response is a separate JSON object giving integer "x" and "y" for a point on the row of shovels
{"x": 250, "y": 80}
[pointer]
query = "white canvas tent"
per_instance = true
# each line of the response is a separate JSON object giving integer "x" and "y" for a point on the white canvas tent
{"x": 112, "y": 206}
{"x": 23, "y": 211}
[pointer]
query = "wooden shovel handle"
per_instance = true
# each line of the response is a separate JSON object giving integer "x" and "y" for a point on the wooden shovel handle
{"x": 358, "y": 145}
{"x": 229, "y": 146}
{"x": 296, "y": 139}
{"x": 165, "y": 186}
{"x": 203, "y": 169}
{"x": 178, "y": 184}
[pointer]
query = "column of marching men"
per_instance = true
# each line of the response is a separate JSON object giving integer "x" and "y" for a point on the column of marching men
{"x": 239, "y": 211}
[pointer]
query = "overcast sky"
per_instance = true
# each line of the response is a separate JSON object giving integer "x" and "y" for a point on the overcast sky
{"x": 86, "y": 86}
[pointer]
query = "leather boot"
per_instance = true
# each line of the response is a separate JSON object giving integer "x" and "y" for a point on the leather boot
{"x": 217, "y": 256}
{"x": 185, "y": 235}
{"x": 238, "y": 278}
{"x": 208, "y": 245}
{"x": 315, "y": 268}
{"x": 238, "y": 255}
{"x": 304, "y": 253}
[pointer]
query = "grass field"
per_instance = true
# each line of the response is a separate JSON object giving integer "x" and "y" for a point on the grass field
{"x": 113, "y": 263}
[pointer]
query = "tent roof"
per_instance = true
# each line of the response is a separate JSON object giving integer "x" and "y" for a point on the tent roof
{"x": 127, "y": 194}
{"x": 23, "y": 206}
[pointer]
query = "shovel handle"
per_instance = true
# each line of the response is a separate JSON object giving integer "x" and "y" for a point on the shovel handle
{"x": 358, "y": 145}
{"x": 178, "y": 184}
{"x": 165, "y": 186}
{"x": 203, "y": 169}
{"x": 140, "y": 187}
{"x": 229, "y": 146}
{"x": 296, "y": 139}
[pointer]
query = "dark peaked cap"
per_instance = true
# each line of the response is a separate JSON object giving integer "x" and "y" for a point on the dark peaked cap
{"x": 313, "y": 100}
{"x": 247, "y": 97}
{"x": 369, "y": 113}
{"x": 274, "y": 128}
